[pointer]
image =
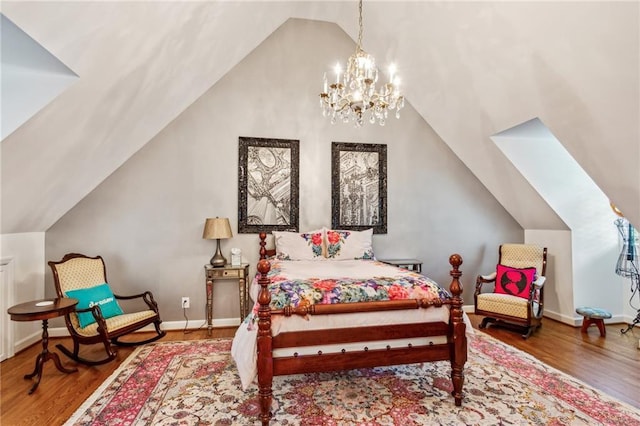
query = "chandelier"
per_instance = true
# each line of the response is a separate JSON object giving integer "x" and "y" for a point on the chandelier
{"x": 354, "y": 96}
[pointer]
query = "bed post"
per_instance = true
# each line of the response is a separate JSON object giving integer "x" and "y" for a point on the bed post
{"x": 458, "y": 345}
{"x": 263, "y": 243}
{"x": 265, "y": 356}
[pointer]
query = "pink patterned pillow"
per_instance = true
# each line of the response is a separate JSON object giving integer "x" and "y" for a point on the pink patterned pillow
{"x": 514, "y": 281}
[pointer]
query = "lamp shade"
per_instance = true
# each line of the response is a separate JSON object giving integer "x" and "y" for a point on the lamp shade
{"x": 217, "y": 227}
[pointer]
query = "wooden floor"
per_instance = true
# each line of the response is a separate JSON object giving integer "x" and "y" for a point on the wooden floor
{"x": 611, "y": 364}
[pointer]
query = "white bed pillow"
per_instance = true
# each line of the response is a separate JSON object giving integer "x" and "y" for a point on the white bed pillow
{"x": 300, "y": 246}
{"x": 343, "y": 244}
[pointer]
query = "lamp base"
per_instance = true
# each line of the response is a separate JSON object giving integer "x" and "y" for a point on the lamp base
{"x": 218, "y": 260}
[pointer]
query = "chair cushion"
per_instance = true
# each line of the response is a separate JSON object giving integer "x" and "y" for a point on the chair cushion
{"x": 596, "y": 313}
{"x": 80, "y": 272}
{"x": 115, "y": 323}
{"x": 514, "y": 281}
{"x": 100, "y": 295}
{"x": 504, "y": 304}
{"x": 522, "y": 256}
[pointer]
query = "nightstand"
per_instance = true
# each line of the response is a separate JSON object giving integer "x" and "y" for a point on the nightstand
{"x": 411, "y": 264}
{"x": 228, "y": 272}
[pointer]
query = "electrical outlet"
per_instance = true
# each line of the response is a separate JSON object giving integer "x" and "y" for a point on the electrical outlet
{"x": 186, "y": 303}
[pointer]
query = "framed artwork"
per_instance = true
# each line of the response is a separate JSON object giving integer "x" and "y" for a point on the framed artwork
{"x": 359, "y": 186}
{"x": 267, "y": 185}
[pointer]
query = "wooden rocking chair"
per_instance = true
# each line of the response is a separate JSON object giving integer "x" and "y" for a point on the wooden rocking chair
{"x": 522, "y": 311}
{"x": 79, "y": 276}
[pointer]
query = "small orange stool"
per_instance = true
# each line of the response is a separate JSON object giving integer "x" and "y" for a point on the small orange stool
{"x": 594, "y": 316}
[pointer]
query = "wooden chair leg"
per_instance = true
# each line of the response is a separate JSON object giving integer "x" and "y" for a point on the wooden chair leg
{"x": 77, "y": 358}
{"x": 586, "y": 322}
{"x": 161, "y": 333}
{"x": 486, "y": 321}
{"x": 599, "y": 322}
{"x": 530, "y": 330}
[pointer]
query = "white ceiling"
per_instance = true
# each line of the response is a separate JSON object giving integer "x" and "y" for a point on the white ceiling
{"x": 471, "y": 69}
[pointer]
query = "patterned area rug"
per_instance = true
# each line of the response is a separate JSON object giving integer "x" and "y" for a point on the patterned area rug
{"x": 196, "y": 383}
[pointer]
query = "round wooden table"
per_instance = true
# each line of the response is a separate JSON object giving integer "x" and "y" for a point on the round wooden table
{"x": 43, "y": 310}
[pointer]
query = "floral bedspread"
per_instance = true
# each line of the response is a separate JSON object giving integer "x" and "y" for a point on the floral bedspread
{"x": 366, "y": 281}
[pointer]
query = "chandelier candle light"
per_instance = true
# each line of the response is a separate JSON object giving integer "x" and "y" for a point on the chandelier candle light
{"x": 354, "y": 96}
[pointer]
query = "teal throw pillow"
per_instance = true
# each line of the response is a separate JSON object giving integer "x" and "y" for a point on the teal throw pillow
{"x": 99, "y": 295}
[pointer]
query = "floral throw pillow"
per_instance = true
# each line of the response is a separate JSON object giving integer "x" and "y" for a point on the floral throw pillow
{"x": 342, "y": 244}
{"x": 299, "y": 246}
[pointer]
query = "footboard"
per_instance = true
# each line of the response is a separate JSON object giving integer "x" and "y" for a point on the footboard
{"x": 451, "y": 345}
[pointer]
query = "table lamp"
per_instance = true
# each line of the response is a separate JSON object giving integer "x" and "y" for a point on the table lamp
{"x": 216, "y": 229}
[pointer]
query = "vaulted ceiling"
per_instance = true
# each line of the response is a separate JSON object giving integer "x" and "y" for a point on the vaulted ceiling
{"x": 471, "y": 69}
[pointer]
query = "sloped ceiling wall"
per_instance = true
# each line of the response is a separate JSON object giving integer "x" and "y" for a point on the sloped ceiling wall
{"x": 140, "y": 65}
{"x": 471, "y": 69}
{"x": 147, "y": 218}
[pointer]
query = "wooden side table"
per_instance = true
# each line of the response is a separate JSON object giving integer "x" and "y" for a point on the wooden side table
{"x": 43, "y": 310}
{"x": 228, "y": 272}
{"x": 411, "y": 264}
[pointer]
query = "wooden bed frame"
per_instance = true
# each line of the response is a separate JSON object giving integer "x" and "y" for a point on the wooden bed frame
{"x": 455, "y": 349}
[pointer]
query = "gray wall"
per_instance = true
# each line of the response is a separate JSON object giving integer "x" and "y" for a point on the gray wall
{"x": 146, "y": 219}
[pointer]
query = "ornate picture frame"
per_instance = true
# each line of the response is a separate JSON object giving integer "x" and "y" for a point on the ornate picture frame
{"x": 268, "y": 185}
{"x": 359, "y": 186}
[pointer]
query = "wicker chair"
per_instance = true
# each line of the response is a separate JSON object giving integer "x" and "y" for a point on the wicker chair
{"x": 522, "y": 313}
{"x": 76, "y": 272}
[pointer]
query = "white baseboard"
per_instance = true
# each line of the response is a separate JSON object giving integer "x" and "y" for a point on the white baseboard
{"x": 166, "y": 325}
{"x": 27, "y": 341}
{"x": 575, "y": 321}
{"x": 569, "y": 320}
{"x": 468, "y": 308}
